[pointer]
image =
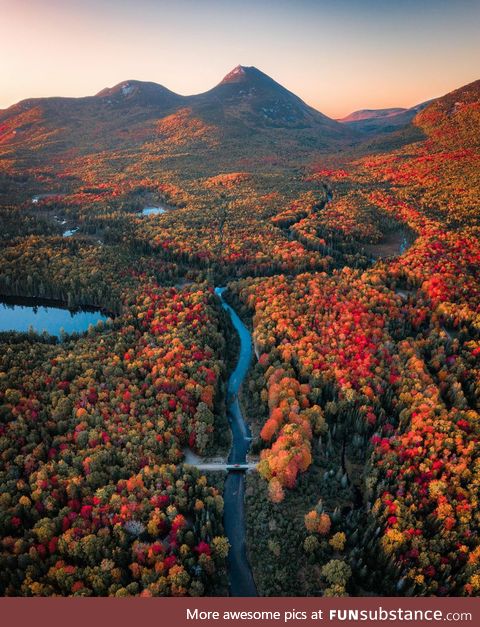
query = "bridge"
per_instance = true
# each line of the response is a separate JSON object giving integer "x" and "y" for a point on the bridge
{"x": 216, "y": 464}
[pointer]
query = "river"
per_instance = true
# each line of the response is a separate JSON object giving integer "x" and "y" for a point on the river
{"x": 240, "y": 574}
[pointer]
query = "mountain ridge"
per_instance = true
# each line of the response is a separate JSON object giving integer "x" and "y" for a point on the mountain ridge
{"x": 246, "y": 105}
{"x": 247, "y": 117}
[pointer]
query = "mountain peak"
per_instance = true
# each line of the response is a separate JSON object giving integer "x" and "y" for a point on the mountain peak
{"x": 132, "y": 92}
{"x": 248, "y": 96}
{"x": 132, "y": 87}
{"x": 241, "y": 73}
{"x": 237, "y": 71}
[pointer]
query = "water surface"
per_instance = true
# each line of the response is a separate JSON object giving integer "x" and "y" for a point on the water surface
{"x": 24, "y": 314}
{"x": 153, "y": 211}
{"x": 70, "y": 232}
{"x": 242, "y": 583}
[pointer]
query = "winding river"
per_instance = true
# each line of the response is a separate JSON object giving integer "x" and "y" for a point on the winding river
{"x": 241, "y": 579}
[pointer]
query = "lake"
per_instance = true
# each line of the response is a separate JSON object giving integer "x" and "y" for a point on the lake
{"x": 21, "y": 314}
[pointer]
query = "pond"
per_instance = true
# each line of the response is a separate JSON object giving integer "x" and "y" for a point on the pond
{"x": 23, "y": 314}
{"x": 153, "y": 211}
{"x": 70, "y": 232}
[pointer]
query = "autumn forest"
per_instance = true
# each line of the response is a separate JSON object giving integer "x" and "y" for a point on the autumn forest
{"x": 351, "y": 258}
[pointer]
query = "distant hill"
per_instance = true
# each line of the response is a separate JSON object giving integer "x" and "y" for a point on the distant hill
{"x": 369, "y": 114}
{"x": 381, "y": 120}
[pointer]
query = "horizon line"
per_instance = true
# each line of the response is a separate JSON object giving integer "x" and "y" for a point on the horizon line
{"x": 191, "y": 95}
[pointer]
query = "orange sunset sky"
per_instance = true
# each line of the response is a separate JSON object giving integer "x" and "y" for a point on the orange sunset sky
{"x": 338, "y": 56}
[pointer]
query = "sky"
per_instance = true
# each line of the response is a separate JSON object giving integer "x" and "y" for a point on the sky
{"x": 337, "y": 55}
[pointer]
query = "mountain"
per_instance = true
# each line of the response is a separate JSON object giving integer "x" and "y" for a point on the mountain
{"x": 454, "y": 119}
{"x": 381, "y": 120}
{"x": 116, "y": 117}
{"x": 246, "y": 115}
{"x": 249, "y": 95}
{"x": 440, "y": 169}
